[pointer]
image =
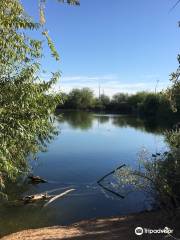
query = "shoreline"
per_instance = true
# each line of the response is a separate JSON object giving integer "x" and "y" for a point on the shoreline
{"x": 122, "y": 227}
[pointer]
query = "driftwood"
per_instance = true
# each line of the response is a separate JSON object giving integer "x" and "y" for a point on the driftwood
{"x": 57, "y": 189}
{"x": 58, "y": 196}
{"x": 105, "y": 176}
{"x": 43, "y": 197}
{"x": 34, "y": 198}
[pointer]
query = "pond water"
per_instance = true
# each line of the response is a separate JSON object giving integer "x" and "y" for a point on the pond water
{"x": 88, "y": 147}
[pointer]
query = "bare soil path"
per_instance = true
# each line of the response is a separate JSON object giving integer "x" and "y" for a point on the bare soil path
{"x": 121, "y": 228}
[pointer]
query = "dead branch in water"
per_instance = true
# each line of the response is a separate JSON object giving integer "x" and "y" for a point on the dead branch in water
{"x": 110, "y": 173}
{"x": 58, "y": 196}
{"x": 56, "y": 189}
{"x": 107, "y": 189}
{"x": 111, "y": 191}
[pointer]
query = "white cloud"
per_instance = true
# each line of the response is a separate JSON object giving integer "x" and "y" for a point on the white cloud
{"x": 109, "y": 84}
{"x": 90, "y": 79}
{"x": 150, "y": 76}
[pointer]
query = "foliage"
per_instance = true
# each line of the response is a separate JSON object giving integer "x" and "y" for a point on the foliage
{"x": 173, "y": 92}
{"x": 136, "y": 100}
{"x": 98, "y": 105}
{"x": 119, "y": 103}
{"x": 79, "y": 99}
{"x": 105, "y": 100}
{"x": 158, "y": 175}
{"x": 119, "y": 98}
{"x": 150, "y": 105}
{"x": 147, "y": 105}
{"x": 42, "y": 21}
{"x": 25, "y": 101}
{"x": 173, "y": 137}
{"x": 102, "y": 103}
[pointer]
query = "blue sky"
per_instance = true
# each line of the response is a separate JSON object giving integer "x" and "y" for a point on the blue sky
{"x": 125, "y": 45}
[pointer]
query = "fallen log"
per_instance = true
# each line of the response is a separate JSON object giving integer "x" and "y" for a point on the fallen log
{"x": 36, "y": 197}
{"x": 39, "y": 197}
{"x": 56, "y": 189}
{"x": 58, "y": 196}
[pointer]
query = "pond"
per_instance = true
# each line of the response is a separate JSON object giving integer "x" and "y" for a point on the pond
{"x": 88, "y": 146}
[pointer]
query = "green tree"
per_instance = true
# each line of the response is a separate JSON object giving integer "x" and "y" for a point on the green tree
{"x": 105, "y": 100}
{"x": 120, "y": 103}
{"x": 102, "y": 103}
{"x": 150, "y": 106}
{"x": 98, "y": 105}
{"x": 26, "y": 102}
{"x": 80, "y": 99}
{"x": 136, "y": 100}
{"x": 173, "y": 92}
{"x": 119, "y": 98}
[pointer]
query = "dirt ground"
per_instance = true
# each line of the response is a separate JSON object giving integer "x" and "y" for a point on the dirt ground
{"x": 121, "y": 228}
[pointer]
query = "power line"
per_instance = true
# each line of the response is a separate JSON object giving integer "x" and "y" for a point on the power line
{"x": 174, "y": 6}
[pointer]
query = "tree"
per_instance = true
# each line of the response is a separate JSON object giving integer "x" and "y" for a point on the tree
{"x": 136, "y": 100}
{"x": 173, "y": 92}
{"x": 105, "y": 100}
{"x": 102, "y": 103}
{"x": 26, "y": 103}
{"x": 120, "y": 104}
{"x": 150, "y": 105}
{"x": 120, "y": 98}
{"x": 80, "y": 99}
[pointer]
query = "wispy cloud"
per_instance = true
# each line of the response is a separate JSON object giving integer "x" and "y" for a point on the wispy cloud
{"x": 150, "y": 76}
{"x": 89, "y": 79}
{"x": 109, "y": 84}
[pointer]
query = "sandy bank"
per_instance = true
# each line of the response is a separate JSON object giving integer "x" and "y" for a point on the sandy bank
{"x": 108, "y": 228}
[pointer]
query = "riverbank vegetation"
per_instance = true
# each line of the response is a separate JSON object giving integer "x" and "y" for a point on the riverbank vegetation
{"x": 153, "y": 106}
{"x": 26, "y": 101}
{"x": 159, "y": 173}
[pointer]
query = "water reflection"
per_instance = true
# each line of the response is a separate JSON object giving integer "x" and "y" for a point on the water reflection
{"x": 146, "y": 126}
{"x": 82, "y": 120}
{"x": 85, "y": 120}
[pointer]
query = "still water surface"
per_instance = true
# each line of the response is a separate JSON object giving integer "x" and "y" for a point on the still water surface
{"x": 88, "y": 146}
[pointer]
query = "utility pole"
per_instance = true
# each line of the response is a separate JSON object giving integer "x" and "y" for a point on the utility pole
{"x": 157, "y": 82}
{"x": 99, "y": 90}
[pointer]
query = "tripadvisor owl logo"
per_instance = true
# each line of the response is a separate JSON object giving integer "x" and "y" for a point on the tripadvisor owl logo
{"x": 139, "y": 231}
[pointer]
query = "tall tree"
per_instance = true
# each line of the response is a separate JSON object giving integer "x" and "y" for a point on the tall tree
{"x": 80, "y": 99}
{"x": 26, "y": 102}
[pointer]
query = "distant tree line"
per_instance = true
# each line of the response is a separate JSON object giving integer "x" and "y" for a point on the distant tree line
{"x": 144, "y": 104}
